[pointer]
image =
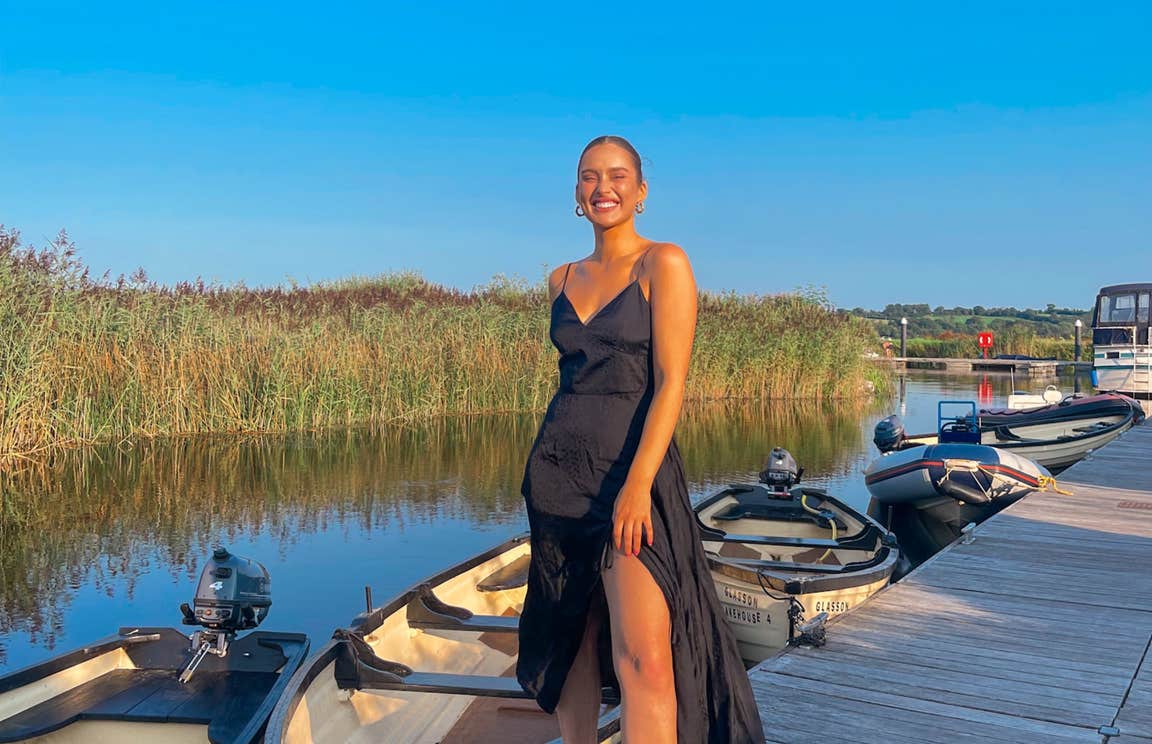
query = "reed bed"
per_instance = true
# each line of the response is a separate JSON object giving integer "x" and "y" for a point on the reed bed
{"x": 955, "y": 346}
{"x": 86, "y": 360}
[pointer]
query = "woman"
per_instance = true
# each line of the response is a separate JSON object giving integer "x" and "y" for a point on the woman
{"x": 615, "y": 549}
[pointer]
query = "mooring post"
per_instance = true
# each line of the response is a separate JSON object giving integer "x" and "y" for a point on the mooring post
{"x": 1076, "y": 356}
{"x": 904, "y": 338}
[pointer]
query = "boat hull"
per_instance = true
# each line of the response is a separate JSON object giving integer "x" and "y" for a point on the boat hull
{"x": 967, "y": 472}
{"x": 1125, "y": 369}
{"x": 760, "y": 620}
{"x": 766, "y": 590}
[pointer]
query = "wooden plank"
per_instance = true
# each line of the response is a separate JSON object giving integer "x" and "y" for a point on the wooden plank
{"x": 973, "y": 655}
{"x": 788, "y": 703}
{"x": 1016, "y": 728}
{"x": 1038, "y": 666}
{"x": 1015, "y": 620}
{"x": 991, "y": 667}
{"x": 944, "y": 606}
{"x": 960, "y": 690}
{"x": 958, "y": 641}
{"x": 841, "y": 722}
{"x": 1135, "y": 717}
{"x": 971, "y": 687}
{"x": 1068, "y": 639}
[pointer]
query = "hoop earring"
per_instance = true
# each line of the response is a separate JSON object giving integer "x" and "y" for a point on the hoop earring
{"x": 579, "y": 211}
{"x": 640, "y": 207}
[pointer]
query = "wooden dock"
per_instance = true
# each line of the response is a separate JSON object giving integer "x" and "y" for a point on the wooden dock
{"x": 1038, "y": 630}
{"x": 1029, "y": 367}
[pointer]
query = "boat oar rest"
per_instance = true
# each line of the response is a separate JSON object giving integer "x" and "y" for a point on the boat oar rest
{"x": 426, "y": 611}
{"x": 358, "y": 667}
{"x": 512, "y": 576}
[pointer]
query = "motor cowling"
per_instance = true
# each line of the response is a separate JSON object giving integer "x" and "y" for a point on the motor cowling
{"x": 781, "y": 471}
{"x": 889, "y": 433}
{"x": 233, "y": 594}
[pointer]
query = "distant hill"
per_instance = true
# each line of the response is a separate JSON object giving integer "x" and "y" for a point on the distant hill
{"x": 925, "y": 321}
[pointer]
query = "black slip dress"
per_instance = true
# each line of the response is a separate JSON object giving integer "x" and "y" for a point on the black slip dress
{"x": 576, "y": 466}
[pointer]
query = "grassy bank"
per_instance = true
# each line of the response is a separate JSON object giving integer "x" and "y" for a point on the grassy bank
{"x": 955, "y": 346}
{"x": 84, "y": 360}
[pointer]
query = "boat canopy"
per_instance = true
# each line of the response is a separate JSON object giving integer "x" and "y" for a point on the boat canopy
{"x": 1122, "y": 315}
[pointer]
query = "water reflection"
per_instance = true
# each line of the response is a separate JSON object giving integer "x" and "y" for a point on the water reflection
{"x": 116, "y": 536}
{"x": 95, "y": 536}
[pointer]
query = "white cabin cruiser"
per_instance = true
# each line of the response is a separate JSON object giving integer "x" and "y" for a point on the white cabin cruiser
{"x": 1121, "y": 328}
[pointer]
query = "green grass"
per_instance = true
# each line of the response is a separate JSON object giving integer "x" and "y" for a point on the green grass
{"x": 964, "y": 347}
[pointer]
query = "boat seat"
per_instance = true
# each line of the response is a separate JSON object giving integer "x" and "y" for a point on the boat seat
{"x": 1004, "y": 434}
{"x": 710, "y": 535}
{"x": 467, "y": 684}
{"x": 359, "y": 668}
{"x": 753, "y": 502}
{"x": 512, "y": 576}
{"x": 224, "y": 702}
{"x": 959, "y": 432}
{"x": 426, "y": 611}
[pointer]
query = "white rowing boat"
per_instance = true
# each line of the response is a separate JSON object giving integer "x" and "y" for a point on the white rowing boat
{"x": 435, "y": 665}
{"x": 782, "y": 555}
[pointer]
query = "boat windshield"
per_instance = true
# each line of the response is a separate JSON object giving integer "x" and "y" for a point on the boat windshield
{"x": 1122, "y": 315}
{"x": 1121, "y": 309}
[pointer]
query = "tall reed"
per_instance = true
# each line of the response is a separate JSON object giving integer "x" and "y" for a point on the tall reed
{"x": 84, "y": 360}
{"x": 1027, "y": 343}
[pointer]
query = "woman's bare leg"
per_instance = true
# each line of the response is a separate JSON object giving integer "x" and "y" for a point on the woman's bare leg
{"x": 579, "y": 708}
{"x": 641, "y": 651}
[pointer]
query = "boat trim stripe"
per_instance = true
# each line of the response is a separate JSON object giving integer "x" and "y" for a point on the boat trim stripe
{"x": 922, "y": 464}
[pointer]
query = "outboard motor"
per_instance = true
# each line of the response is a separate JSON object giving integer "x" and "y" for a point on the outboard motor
{"x": 780, "y": 473}
{"x": 234, "y": 594}
{"x": 889, "y": 433}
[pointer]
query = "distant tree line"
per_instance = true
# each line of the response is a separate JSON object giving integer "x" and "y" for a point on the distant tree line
{"x": 925, "y": 321}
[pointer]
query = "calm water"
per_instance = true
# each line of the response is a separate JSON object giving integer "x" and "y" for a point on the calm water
{"x": 118, "y": 536}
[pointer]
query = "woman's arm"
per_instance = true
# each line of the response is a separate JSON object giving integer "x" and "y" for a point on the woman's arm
{"x": 672, "y": 297}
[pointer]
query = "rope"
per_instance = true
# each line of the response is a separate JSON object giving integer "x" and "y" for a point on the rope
{"x": 1048, "y": 483}
{"x": 831, "y": 522}
{"x": 968, "y": 466}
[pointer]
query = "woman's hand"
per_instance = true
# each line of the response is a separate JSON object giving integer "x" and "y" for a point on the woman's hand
{"x": 632, "y": 518}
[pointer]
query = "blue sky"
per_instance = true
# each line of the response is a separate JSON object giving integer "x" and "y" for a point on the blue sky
{"x": 963, "y": 153}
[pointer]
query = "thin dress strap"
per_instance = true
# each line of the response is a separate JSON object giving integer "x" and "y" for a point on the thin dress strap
{"x": 565, "y": 282}
{"x": 640, "y": 261}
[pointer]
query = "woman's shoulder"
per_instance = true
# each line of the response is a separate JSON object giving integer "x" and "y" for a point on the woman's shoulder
{"x": 556, "y": 278}
{"x": 664, "y": 257}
